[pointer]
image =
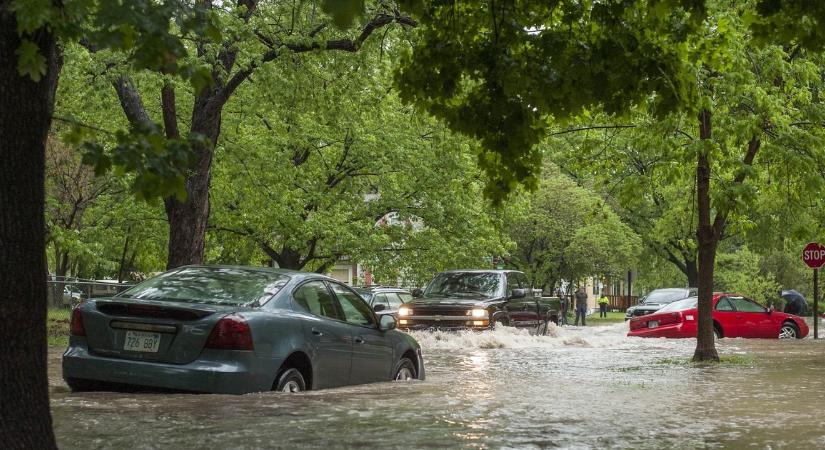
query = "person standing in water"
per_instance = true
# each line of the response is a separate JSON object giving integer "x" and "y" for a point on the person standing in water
{"x": 564, "y": 306}
{"x": 581, "y": 305}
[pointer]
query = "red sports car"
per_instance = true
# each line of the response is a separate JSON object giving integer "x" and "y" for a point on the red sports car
{"x": 733, "y": 316}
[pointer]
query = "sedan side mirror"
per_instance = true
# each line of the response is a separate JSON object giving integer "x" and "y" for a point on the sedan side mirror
{"x": 417, "y": 293}
{"x": 769, "y": 309}
{"x": 518, "y": 293}
{"x": 379, "y": 307}
{"x": 386, "y": 322}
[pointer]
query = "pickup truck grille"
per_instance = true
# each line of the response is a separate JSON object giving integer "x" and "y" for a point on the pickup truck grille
{"x": 435, "y": 311}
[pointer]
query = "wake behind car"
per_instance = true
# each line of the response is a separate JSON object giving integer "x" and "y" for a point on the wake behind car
{"x": 656, "y": 299}
{"x": 733, "y": 316}
{"x": 477, "y": 299}
{"x": 235, "y": 330}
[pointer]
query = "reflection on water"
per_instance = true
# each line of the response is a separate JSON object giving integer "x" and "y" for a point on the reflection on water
{"x": 576, "y": 388}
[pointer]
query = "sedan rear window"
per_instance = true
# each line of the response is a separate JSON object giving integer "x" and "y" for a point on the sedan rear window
{"x": 211, "y": 285}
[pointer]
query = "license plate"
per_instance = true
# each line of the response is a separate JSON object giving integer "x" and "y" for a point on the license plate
{"x": 653, "y": 324}
{"x": 141, "y": 341}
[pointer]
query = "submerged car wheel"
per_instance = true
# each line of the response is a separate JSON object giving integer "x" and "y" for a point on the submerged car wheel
{"x": 405, "y": 370}
{"x": 81, "y": 385}
{"x": 788, "y": 331}
{"x": 542, "y": 328}
{"x": 291, "y": 380}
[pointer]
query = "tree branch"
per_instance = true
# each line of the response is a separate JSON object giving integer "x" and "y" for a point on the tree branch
{"x": 595, "y": 127}
{"x": 348, "y": 45}
{"x": 722, "y": 216}
{"x": 170, "y": 119}
{"x": 130, "y": 101}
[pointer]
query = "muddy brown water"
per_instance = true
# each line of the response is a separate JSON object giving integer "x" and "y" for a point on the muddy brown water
{"x": 578, "y": 388}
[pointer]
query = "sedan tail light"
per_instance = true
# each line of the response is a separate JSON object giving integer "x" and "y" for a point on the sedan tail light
{"x": 674, "y": 317}
{"x": 76, "y": 328}
{"x": 230, "y": 333}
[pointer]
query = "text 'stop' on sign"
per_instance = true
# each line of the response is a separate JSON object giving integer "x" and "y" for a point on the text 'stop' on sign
{"x": 814, "y": 255}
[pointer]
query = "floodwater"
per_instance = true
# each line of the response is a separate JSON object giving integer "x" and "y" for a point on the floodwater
{"x": 578, "y": 388}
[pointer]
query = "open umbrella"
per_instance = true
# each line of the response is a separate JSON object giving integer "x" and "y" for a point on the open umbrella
{"x": 795, "y": 302}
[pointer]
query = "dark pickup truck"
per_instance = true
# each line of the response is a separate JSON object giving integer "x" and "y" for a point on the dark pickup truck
{"x": 477, "y": 299}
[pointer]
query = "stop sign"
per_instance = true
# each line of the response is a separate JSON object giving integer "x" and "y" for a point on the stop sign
{"x": 814, "y": 255}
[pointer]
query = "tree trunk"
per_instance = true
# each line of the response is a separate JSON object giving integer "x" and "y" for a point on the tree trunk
{"x": 25, "y": 117}
{"x": 707, "y": 238}
{"x": 188, "y": 219}
{"x": 122, "y": 268}
{"x": 692, "y": 273}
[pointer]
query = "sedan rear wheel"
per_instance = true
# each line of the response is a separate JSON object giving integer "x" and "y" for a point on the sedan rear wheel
{"x": 82, "y": 385}
{"x": 405, "y": 370}
{"x": 788, "y": 331}
{"x": 291, "y": 381}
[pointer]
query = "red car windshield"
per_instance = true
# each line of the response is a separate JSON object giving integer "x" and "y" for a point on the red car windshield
{"x": 681, "y": 305}
{"x": 662, "y": 296}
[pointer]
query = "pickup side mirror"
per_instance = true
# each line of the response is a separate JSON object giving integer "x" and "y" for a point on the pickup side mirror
{"x": 518, "y": 293}
{"x": 386, "y": 322}
{"x": 379, "y": 307}
{"x": 417, "y": 293}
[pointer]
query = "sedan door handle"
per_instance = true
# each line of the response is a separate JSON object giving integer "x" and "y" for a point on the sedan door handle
{"x": 359, "y": 340}
{"x": 317, "y": 332}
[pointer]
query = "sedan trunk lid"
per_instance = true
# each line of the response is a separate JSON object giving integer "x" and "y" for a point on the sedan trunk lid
{"x": 170, "y": 332}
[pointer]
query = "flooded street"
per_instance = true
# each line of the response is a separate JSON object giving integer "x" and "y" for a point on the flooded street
{"x": 579, "y": 388}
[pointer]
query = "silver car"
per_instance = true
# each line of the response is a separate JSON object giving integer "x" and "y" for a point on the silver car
{"x": 235, "y": 330}
{"x": 72, "y": 295}
{"x": 658, "y": 298}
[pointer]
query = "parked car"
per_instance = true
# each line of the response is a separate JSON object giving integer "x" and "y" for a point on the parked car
{"x": 477, "y": 299}
{"x": 72, "y": 295}
{"x": 733, "y": 316}
{"x": 656, "y": 299}
{"x": 235, "y": 330}
{"x": 384, "y": 299}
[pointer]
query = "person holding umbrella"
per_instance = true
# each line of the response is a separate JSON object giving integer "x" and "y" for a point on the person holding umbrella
{"x": 795, "y": 302}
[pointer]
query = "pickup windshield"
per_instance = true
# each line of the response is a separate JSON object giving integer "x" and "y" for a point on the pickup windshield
{"x": 464, "y": 285}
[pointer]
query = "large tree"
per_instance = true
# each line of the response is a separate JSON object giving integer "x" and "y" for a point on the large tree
{"x": 249, "y": 34}
{"x": 759, "y": 119}
{"x": 311, "y": 170}
{"x": 25, "y": 116}
{"x": 29, "y": 31}
{"x": 567, "y": 232}
{"x": 649, "y": 189}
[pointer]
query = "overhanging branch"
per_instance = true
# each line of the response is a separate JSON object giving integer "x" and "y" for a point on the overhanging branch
{"x": 347, "y": 45}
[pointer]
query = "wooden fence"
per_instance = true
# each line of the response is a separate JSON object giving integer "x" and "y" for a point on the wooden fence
{"x": 621, "y": 302}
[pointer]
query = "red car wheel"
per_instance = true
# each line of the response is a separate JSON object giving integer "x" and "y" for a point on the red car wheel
{"x": 788, "y": 331}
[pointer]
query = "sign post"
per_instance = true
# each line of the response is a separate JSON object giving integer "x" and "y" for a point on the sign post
{"x": 814, "y": 257}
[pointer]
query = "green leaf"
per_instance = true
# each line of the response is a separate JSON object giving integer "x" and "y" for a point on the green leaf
{"x": 343, "y": 12}
{"x": 30, "y": 62}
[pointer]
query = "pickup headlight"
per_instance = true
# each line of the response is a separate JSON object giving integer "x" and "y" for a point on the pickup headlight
{"x": 404, "y": 311}
{"x": 479, "y": 312}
